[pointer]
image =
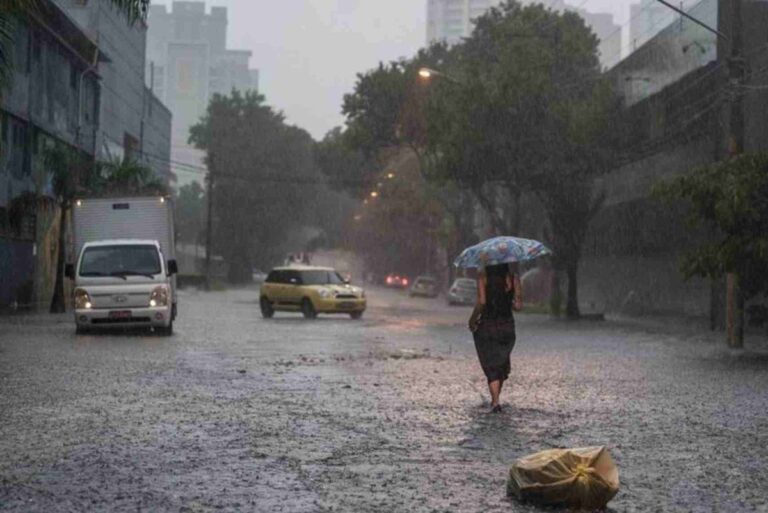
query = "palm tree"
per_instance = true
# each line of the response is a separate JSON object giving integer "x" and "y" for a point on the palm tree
{"x": 10, "y": 9}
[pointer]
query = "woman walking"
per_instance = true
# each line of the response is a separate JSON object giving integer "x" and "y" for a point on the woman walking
{"x": 492, "y": 323}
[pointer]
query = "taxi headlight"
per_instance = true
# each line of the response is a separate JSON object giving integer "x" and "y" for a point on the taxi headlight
{"x": 325, "y": 293}
{"x": 82, "y": 300}
{"x": 159, "y": 296}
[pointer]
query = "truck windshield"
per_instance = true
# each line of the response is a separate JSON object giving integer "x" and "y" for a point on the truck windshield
{"x": 127, "y": 260}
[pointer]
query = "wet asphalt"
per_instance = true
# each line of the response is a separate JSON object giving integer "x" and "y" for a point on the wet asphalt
{"x": 235, "y": 413}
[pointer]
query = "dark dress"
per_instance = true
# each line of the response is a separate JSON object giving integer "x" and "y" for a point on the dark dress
{"x": 495, "y": 335}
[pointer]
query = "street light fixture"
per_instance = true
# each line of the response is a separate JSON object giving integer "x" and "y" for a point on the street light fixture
{"x": 428, "y": 73}
{"x": 390, "y": 175}
{"x": 374, "y": 194}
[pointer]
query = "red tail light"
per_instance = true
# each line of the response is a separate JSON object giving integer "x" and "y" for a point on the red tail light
{"x": 405, "y": 281}
{"x": 389, "y": 280}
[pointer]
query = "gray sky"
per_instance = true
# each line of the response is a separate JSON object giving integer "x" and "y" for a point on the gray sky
{"x": 309, "y": 51}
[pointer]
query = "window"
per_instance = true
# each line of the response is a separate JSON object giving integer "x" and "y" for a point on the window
{"x": 275, "y": 277}
{"x": 293, "y": 278}
{"x": 321, "y": 278}
{"x": 120, "y": 261}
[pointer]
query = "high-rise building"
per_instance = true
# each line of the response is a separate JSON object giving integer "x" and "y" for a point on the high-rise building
{"x": 649, "y": 17}
{"x": 452, "y": 20}
{"x": 188, "y": 62}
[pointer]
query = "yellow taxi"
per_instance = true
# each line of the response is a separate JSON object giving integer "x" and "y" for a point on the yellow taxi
{"x": 311, "y": 291}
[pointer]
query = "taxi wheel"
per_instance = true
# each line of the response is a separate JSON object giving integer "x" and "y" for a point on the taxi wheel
{"x": 356, "y": 315}
{"x": 308, "y": 309}
{"x": 266, "y": 308}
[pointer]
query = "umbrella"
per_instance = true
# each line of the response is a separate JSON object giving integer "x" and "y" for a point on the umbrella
{"x": 501, "y": 250}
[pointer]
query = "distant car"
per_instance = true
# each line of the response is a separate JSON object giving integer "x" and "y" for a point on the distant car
{"x": 396, "y": 281}
{"x": 424, "y": 286}
{"x": 311, "y": 291}
{"x": 462, "y": 292}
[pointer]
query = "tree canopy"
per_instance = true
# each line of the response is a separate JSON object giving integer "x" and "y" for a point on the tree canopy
{"x": 265, "y": 179}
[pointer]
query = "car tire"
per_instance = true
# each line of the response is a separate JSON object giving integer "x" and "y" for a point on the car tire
{"x": 266, "y": 308}
{"x": 308, "y": 309}
{"x": 81, "y": 330}
{"x": 356, "y": 315}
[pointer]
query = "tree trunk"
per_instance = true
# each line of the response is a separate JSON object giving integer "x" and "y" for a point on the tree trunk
{"x": 556, "y": 294}
{"x": 58, "y": 304}
{"x": 735, "y": 312}
{"x": 572, "y": 305}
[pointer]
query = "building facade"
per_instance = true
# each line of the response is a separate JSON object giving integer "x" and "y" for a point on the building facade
{"x": 648, "y": 17}
{"x": 453, "y": 20}
{"x": 133, "y": 123}
{"x": 52, "y": 102}
{"x": 188, "y": 62}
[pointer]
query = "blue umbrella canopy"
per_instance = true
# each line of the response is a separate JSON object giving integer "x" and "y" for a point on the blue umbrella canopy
{"x": 501, "y": 250}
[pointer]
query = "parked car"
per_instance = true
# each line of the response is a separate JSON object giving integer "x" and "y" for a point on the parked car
{"x": 311, "y": 291}
{"x": 424, "y": 286}
{"x": 396, "y": 281}
{"x": 462, "y": 292}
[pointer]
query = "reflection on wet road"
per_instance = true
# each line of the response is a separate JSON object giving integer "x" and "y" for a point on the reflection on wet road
{"x": 384, "y": 414}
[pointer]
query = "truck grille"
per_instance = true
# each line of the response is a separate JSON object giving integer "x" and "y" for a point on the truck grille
{"x": 123, "y": 321}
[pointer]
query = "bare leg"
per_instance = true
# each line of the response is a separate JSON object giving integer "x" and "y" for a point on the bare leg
{"x": 495, "y": 389}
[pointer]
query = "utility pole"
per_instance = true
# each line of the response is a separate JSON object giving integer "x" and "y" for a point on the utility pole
{"x": 734, "y": 310}
{"x": 209, "y": 224}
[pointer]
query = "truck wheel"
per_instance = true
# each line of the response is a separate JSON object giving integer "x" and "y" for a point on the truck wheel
{"x": 266, "y": 308}
{"x": 308, "y": 309}
{"x": 356, "y": 315}
{"x": 165, "y": 331}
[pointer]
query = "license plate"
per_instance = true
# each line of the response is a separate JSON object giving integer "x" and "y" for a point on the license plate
{"x": 120, "y": 314}
{"x": 347, "y": 305}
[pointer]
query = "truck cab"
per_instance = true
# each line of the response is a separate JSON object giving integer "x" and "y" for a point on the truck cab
{"x": 123, "y": 283}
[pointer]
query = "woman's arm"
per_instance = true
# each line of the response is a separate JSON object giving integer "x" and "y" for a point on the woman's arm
{"x": 474, "y": 319}
{"x": 517, "y": 305}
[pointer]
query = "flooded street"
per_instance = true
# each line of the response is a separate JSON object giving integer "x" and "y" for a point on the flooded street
{"x": 385, "y": 414}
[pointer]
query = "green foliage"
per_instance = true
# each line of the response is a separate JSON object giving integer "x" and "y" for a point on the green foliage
{"x": 730, "y": 199}
{"x": 265, "y": 181}
{"x": 346, "y": 167}
{"x": 190, "y": 213}
{"x": 385, "y": 110}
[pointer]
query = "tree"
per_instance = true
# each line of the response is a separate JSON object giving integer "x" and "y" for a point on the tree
{"x": 527, "y": 113}
{"x": 346, "y": 166}
{"x": 10, "y": 10}
{"x": 730, "y": 199}
{"x": 265, "y": 179}
{"x": 190, "y": 213}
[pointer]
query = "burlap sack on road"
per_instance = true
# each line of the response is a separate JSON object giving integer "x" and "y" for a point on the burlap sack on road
{"x": 585, "y": 478}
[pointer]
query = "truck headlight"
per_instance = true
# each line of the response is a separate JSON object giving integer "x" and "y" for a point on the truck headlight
{"x": 159, "y": 296}
{"x": 82, "y": 300}
{"x": 325, "y": 293}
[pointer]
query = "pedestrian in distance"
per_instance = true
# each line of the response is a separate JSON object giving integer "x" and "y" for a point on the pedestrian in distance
{"x": 492, "y": 323}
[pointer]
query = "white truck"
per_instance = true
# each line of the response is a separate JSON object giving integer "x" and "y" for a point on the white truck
{"x": 125, "y": 263}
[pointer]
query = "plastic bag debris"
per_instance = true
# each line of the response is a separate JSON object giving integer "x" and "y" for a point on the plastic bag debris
{"x": 585, "y": 478}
